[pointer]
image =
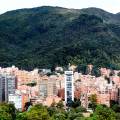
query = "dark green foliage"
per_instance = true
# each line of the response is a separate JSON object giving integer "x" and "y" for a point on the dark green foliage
{"x": 21, "y": 116}
{"x": 117, "y": 116}
{"x": 80, "y": 109}
{"x": 59, "y": 116}
{"x": 51, "y": 110}
{"x": 93, "y": 101}
{"x": 32, "y": 84}
{"x": 40, "y": 112}
{"x": 82, "y": 69}
{"x": 95, "y": 72}
{"x": 119, "y": 74}
{"x": 7, "y": 111}
{"x": 76, "y": 103}
{"x": 103, "y": 113}
{"x": 50, "y": 36}
{"x": 75, "y": 116}
{"x": 116, "y": 108}
{"x": 60, "y": 104}
{"x": 27, "y": 104}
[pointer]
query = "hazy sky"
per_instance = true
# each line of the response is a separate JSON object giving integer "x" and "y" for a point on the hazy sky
{"x": 109, "y": 5}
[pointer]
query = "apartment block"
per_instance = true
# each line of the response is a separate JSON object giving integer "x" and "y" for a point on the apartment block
{"x": 8, "y": 84}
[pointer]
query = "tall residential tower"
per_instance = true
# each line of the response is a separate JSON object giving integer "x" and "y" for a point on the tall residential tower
{"x": 69, "y": 87}
{"x": 8, "y": 84}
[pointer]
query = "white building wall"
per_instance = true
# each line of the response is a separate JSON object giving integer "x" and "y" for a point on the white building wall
{"x": 16, "y": 100}
{"x": 69, "y": 74}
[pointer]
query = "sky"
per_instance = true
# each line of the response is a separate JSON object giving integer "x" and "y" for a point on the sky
{"x": 112, "y": 6}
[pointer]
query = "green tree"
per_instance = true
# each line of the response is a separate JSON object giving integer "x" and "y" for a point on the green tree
{"x": 51, "y": 110}
{"x": 60, "y": 104}
{"x": 95, "y": 72}
{"x": 80, "y": 109}
{"x": 32, "y": 84}
{"x": 53, "y": 103}
{"x": 21, "y": 116}
{"x": 103, "y": 113}
{"x": 38, "y": 112}
{"x": 93, "y": 101}
{"x": 116, "y": 108}
{"x": 27, "y": 105}
{"x": 74, "y": 104}
{"x": 74, "y": 116}
{"x": 7, "y": 111}
{"x": 118, "y": 74}
{"x": 59, "y": 116}
{"x": 117, "y": 116}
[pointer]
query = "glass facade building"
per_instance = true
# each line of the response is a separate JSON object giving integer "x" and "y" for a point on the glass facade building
{"x": 8, "y": 85}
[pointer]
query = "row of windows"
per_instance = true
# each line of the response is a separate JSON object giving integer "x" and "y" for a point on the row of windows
{"x": 69, "y": 78}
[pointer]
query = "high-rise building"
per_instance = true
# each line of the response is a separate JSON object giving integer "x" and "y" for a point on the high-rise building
{"x": 69, "y": 86}
{"x": 2, "y": 88}
{"x": 8, "y": 84}
{"x": 47, "y": 88}
{"x": 11, "y": 85}
{"x": 52, "y": 90}
{"x": 43, "y": 88}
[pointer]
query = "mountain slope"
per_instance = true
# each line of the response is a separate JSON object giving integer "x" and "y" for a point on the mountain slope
{"x": 49, "y": 36}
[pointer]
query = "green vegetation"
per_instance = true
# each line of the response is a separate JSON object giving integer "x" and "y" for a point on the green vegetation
{"x": 116, "y": 108}
{"x": 56, "y": 112}
{"x": 93, "y": 101}
{"x": 7, "y": 111}
{"x": 31, "y": 84}
{"x": 103, "y": 113}
{"x": 50, "y": 36}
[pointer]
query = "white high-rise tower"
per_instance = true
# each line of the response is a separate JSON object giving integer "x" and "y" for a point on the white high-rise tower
{"x": 69, "y": 86}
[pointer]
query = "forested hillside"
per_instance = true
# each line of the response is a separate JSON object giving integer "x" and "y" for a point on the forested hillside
{"x": 50, "y": 36}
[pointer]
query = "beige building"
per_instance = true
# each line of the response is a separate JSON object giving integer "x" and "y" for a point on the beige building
{"x": 47, "y": 88}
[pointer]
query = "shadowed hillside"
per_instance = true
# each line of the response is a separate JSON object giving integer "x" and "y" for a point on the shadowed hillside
{"x": 49, "y": 36}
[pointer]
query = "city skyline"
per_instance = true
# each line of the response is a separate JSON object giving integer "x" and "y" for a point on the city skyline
{"x": 108, "y": 5}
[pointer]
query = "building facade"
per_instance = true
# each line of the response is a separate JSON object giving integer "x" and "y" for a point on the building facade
{"x": 47, "y": 88}
{"x": 8, "y": 85}
{"x": 2, "y": 88}
{"x": 16, "y": 100}
{"x": 69, "y": 86}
